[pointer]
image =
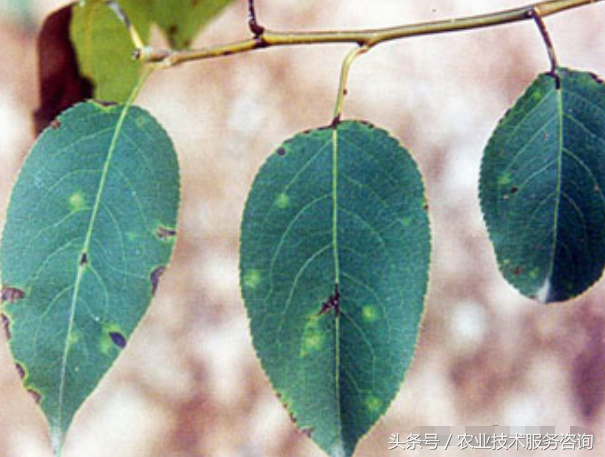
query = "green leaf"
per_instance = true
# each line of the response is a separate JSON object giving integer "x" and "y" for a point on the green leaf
{"x": 542, "y": 182}
{"x": 104, "y": 47}
{"x": 181, "y": 20}
{"x": 90, "y": 228}
{"x": 335, "y": 249}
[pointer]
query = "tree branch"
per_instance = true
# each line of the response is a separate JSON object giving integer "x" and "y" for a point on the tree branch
{"x": 366, "y": 38}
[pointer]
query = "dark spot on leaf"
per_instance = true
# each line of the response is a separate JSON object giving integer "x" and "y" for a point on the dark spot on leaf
{"x": 84, "y": 259}
{"x": 517, "y": 271}
{"x": 155, "y": 278}
{"x": 61, "y": 84}
{"x": 425, "y": 206}
{"x": 106, "y": 103}
{"x": 118, "y": 339}
{"x": 307, "y": 431}
{"x": 367, "y": 124}
{"x": 172, "y": 29}
{"x": 55, "y": 124}
{"x": 514, "y": 189}
{"x": 11, "y": 294}
{"x": 195, "y": 3}
{"x": 6, "y": 323}
{"x": 35, "y": 395}
{"x": 20, "y": 370}
{"x": 186, "y": 43}
{"x": 281, "y": 151}
{"x": 596, "y": 78}
{"x": 335, "y": 122}
{"x": 333, "y": 302}
{"x": 164, "y": 233}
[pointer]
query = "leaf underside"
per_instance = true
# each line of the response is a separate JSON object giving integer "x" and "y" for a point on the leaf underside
{"x": 542, "y": 181}
{"x": 104, "y": 47}
{"x": 335, "y": 249}
{"x": 181, "y": 20}
{"x": 90, "y": 227}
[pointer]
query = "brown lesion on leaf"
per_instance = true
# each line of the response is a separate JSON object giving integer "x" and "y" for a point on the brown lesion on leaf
{"x": 335, "y": 121}
{"x": 55, "y": 124}
{"x": 20, "y": 370}
{"x": 332, "y": 303}
{"x": 155, "y": 278}
{"x": 84, "y": 259}
{"x": 118, "y": 339}
{"x": 35, "y": 395}
{"x": 105, "y": 103}
{"x": 307, "y": 431}
{"x": 517, "y": 271}
{"x": 6, "y": 324}
{"x": 164, "y": 233}
{"x": 11, "y": 294}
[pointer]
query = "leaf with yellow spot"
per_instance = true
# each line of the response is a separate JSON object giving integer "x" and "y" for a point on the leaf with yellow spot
{"x": 542, "y": 177}
{"x": 80, "y": 247}
{"x": 334, "y": 267}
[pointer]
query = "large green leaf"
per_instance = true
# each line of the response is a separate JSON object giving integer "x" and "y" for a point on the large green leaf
{"x": 542, "y": 182}
{"x": 334, "y": 268}
{"x": 90, "y": 228}
{"x": 104, "y": 47}
{"x": 181, "y": 20}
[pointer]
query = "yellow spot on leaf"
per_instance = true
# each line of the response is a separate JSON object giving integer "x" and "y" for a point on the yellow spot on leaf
{"x": 106, "y": 345}
{"x": 369, "y": 313}
{"x": 282, "y": 201}
{"x": 77, "y": 201}
{"x": 504, "y": 179}
{"x": 252, "y": 279}
{"x": 74, "y": 337}
{"x": 313, "y": 337}
{"x": 373, "y": 403}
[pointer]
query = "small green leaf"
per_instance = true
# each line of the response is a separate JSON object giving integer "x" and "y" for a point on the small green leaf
{"x": 181, "y": 20}
{"x": 90, "y": 228}
{"x": 335, "y": 249}
{"x": 104, "y": 47}
{"x": 542, "y": 182}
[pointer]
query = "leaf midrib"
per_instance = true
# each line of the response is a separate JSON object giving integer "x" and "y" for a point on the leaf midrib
{"x": 336, "y": 278}
{"x": 85, "y": 248}
{"x": 560, "y": 149}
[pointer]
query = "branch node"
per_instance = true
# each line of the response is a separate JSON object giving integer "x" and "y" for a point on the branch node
{"x": 260, "y": 42}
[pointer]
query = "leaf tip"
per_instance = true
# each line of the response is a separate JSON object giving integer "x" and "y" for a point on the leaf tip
{"x": 57, "y": 439}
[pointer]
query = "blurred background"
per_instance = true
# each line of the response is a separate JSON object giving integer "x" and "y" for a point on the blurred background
{"x": 189, "y": 384}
